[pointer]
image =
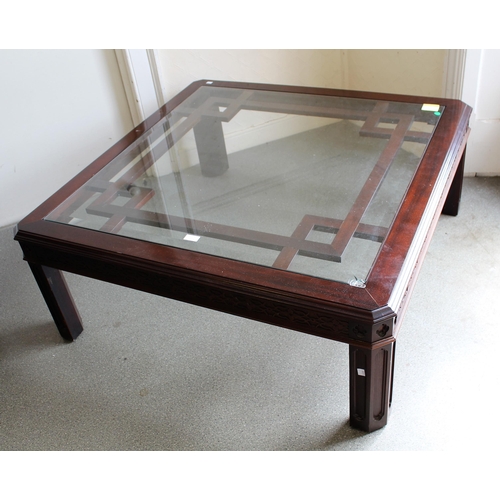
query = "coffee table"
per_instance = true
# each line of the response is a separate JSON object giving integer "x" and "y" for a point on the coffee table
{"x": 306, "y": 208}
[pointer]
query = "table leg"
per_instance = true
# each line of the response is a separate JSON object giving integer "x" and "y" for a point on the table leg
{"x": 452, "y": 202}
{"x": 370, "y": 384}
{"x": 211, "y": 146}
{"x": 59, "y": 300}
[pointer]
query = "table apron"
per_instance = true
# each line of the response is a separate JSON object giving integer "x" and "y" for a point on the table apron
{"x": 332, "y": 321}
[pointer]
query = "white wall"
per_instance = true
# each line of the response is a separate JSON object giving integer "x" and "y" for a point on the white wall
{"x": 409, "y": 71}
{"x": 319, "y": 68}
{"x": 60, "y": 110}
{"x": 482, "y": 91}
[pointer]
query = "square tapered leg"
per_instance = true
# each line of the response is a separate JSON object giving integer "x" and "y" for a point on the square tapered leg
{"x": 59, "y": 300}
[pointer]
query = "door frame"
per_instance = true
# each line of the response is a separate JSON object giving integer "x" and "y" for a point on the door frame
{"x": 143, "y": 81}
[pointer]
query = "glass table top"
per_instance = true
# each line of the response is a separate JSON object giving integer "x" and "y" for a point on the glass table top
{"x": 302, "y": 182}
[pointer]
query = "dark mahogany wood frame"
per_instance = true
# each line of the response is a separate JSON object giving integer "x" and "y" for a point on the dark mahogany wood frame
{"x": 368, "y": 319}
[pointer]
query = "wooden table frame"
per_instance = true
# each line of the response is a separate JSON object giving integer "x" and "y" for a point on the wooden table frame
{"x": 367, "y": 318}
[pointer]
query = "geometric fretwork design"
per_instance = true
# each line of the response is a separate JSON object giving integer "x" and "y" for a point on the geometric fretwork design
{"x": 119, "y": 181}
{"x": 314, "y": 223}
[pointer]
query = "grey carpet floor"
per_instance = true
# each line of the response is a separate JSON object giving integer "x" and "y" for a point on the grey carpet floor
{"x": 153, "y": 374}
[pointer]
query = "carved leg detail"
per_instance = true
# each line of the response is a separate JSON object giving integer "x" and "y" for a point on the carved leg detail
{"x": 370, "y": 384}
{"x": 59, "y": 301}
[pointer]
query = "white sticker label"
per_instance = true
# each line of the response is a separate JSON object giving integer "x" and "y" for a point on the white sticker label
{"x": 361, "y": 372}
{"x": 192, "y": 237}
{"x": 430, "y": 107}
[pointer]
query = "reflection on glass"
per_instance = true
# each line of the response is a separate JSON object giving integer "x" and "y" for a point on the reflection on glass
{"x": 305, "y": 183}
